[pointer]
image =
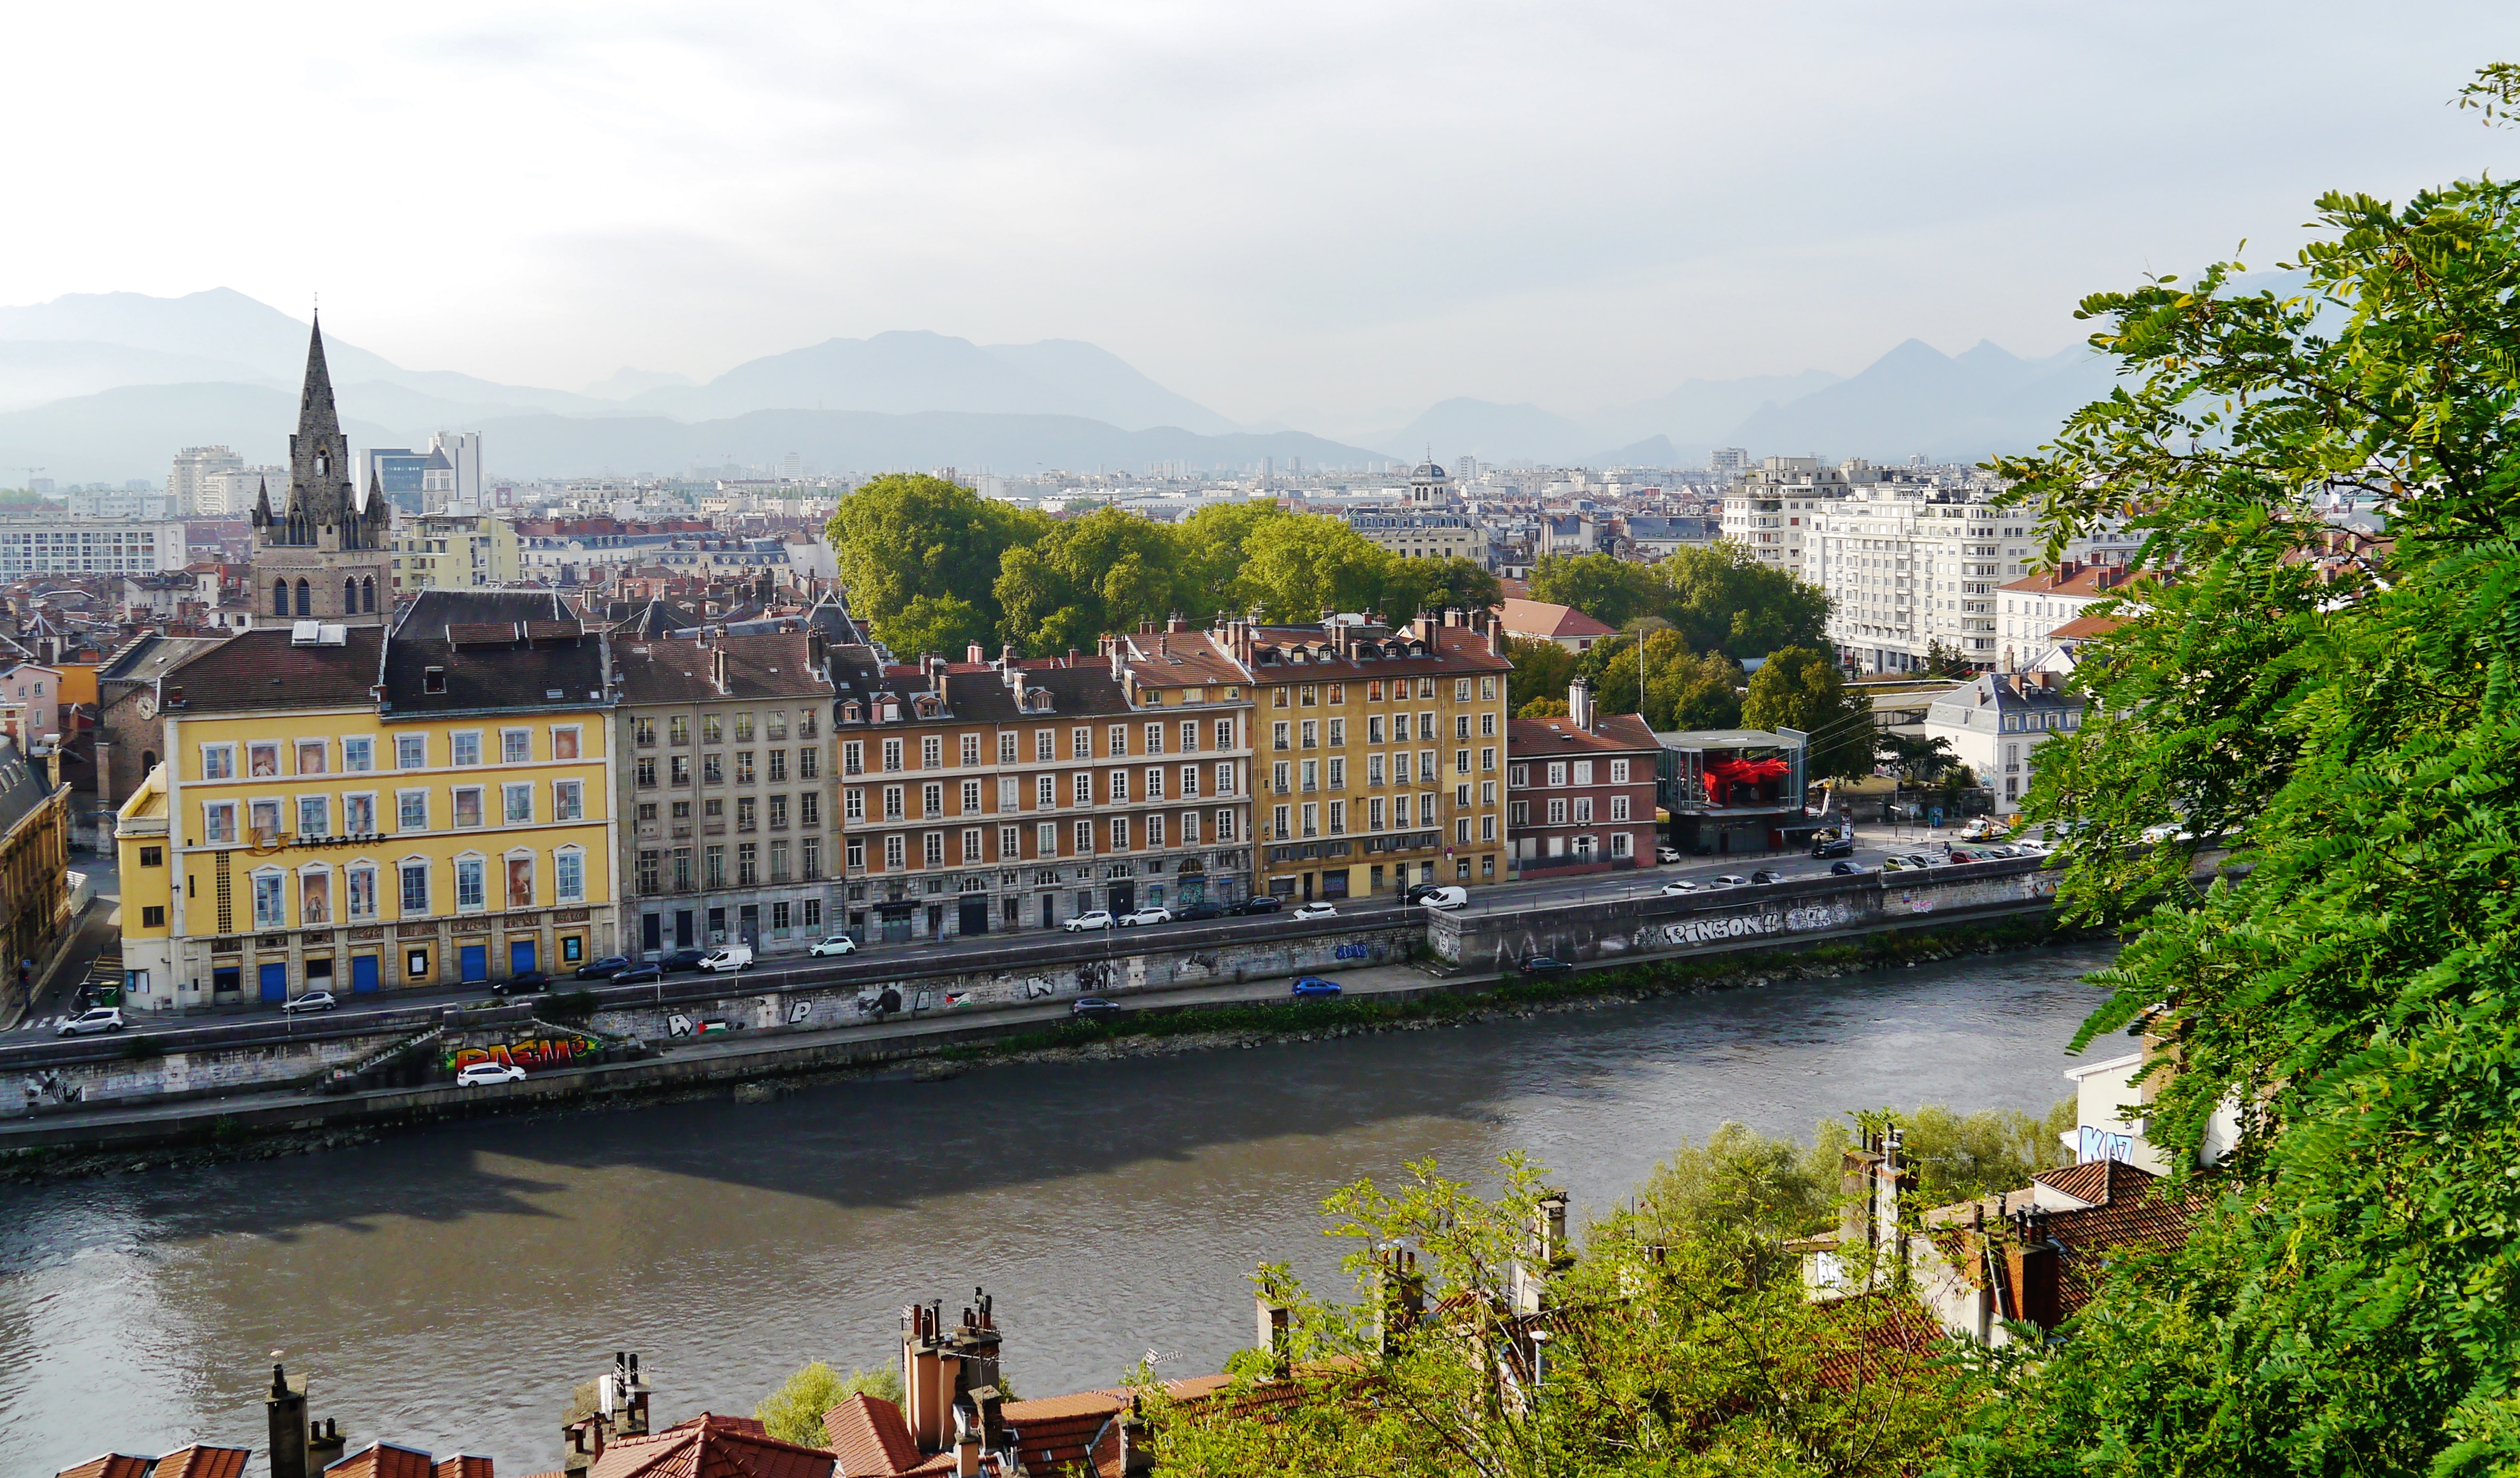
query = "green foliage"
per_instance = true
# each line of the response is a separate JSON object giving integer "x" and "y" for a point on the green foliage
{"x": 1664, "y": 1356}
{"x": 1106, "y": 571}
{"x": 1923, "y": 760}
{"x": 1298, "y": 566}
{"x": 902, "y": 536}
{"x": 1684, "y": 690}
{"x": 1612, "y": 592}
{"x": 1945, "y": 663}
{"x": 1542, "y": 669}
{"x": 1410, "y": 586}
{"x": 1798, "y": 688}
{"x": 2348, "y": 1305}
{"x": 1723, "y": 598}
{"x": 942, "y": 624}
{"x": 794, "y": 1412}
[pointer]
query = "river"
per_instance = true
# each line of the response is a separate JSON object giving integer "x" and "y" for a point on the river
{"x": 445, "y": 1288}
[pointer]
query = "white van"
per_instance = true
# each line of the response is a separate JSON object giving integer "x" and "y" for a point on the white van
{"x": 727, "y": 957}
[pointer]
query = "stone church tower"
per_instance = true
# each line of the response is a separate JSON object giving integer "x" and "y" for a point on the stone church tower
{"x": 324, "y": 559}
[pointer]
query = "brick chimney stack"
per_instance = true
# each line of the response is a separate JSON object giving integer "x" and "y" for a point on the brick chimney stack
{"x": 284, "y": 1411}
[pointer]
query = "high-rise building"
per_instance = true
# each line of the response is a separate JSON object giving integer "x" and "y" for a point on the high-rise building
{"x": 193, "y": 467}
{"x": 1727, "y": 462}
{"x": 324, "y": 556}
{"x": 229, "y": 494}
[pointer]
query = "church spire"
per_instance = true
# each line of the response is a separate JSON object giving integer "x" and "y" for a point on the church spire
{"x": 315, "y": 413}
{"x": 320, "y": 491}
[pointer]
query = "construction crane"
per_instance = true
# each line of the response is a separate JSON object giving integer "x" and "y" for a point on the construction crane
{"x": 30, "y": 473}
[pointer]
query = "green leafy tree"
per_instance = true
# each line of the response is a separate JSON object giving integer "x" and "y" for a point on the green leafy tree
{"x": 1542, "y": 669}
{"x": 1683, "y": 688}
{"x": 1082, "y": 577}
{"x": 1612, "y": 592}
{"x": 794, "y": 1412}
{"x": 1923, "y": 760}
{"x": 2345, "y": 1305}
{"x": 1543, "y": 708}
{"x": 1721, "y": 598}
{"x": 1296, "y": 567}
{"x": 1214, "y": 543}
{"x": 1410, "y": 586}
{"x": 1943, "y": 662}
{"x": 1798, "y": 688}
{"x": 903, "y": 536}
{"x": 944, "y": 625}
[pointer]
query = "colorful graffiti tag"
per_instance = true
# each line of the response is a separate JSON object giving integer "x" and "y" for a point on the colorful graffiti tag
{"x": 533, "y": 1053}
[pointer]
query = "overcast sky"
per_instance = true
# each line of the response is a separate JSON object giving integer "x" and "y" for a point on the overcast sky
{"x": 1344, "y": 209}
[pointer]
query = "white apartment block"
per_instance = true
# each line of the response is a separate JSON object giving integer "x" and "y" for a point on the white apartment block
{"x": 230, "y": 493}
{"x": 88, "y": 545}
{"x": 1771, "y": 509}
{"x": 193, "y": 467}
{"x": 148, "y": 507}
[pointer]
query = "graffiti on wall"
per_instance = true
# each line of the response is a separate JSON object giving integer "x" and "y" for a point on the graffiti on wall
{"x": 532, "y": 1054}
{"x": 1801, "y": 920}
{"x": 1351, "y": 951}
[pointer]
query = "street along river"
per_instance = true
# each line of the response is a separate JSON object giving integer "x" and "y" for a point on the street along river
{"x": 445, "y": 1288}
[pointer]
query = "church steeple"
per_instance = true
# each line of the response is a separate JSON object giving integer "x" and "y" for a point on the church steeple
{"x": 320, "y": 492}
{"x": 323, "y": 557}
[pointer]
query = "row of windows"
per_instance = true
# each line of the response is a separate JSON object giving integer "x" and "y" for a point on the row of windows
{"x": 678, "y": 768}
{"x": 1121, "y": 833}
{"x": 1335, "y": 695}
{"x": 1331, "y": 818}
{"x": 1560, "y": 809}
{"x": 2064, "y": 719}
{"x": 1310, "y": 731}
{"x": 415, "y": 880}
{"x": 748, "y": 810}
{"x": 358, "y": 754}
{"x": 652, "y": 872}
{"x": 1429, "y": 764}
{"x": 274, "y": 817}
{"x": 894, "y": 753}
{"x": 1046, "y": 791}
{"x": 1570, "y": 773}
{"x": 714, "y": 727}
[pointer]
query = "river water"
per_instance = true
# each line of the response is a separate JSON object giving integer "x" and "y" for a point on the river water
{"x": 446, "y": 1288}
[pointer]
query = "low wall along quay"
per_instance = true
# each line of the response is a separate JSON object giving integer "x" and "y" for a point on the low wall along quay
{"x": 972, "y": 1004}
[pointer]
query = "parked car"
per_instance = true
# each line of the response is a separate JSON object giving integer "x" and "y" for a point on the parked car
{"x": 836, "y": 944}
{"x": 1983, "y": 829}
{"x": 1828, "y": 844}
{"x": 1546, "y": 967}
{"x": 1666, "y": 855}
{"x": 1417, "y": 892}
{"x": 311, "y": 1000}
{"x": 1680, "y": 885}
{"x": 605, "y": 968}
{"x": 522, "y": 983}
{"x": 1446, "y": 898}
{"x": 1901, "y": 865}
{"x": 1203, "y": 908}
{"x": 1146, "y": 915}
{"x": 1259, "y": 903}
{"x": 1319, "y": 908}
{"x": 1314, "y": 985}
{"x": 1099, "y": 919}
{"x": 1093, "y": 1006}
{"x": 479, "y": 1074}
{"x": 1767, "y": 874}
{"x": 640, "y": 974}
{"x": 681, "y": 962}
{"x": 1732, "y": 880}
{"x": 103, "y": 1018}
{"x": 1847, "y": 869}
{"x": 727, "y": 959}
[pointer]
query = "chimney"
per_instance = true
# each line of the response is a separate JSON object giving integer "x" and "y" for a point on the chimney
{"x": 1579, "y": 703}
{"x": 717, "y": 670}
{"x": 284, "y": 1409}
{"x": 2030, "y": 1266}
{"x": 975, "y": 653}
{"x": 817, "y": 652}
{"x": 324, "y": 1444}
{"x": 1176, "y": 624}
{"x": 1400, "y": 1301}
{"x": 1270, "y": 1333}
{"x": 966, "y": 1441}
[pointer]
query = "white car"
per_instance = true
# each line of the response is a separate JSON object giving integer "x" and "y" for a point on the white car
{"x": 838, "y": 944}
{"x": 480, "y": 1073}
{"x": 1680, "y": 885}
{"x": 727, "y": 957}
{"x": 1149, "y": 915}
{"x": 103, "y": 1018}
{"x": 1447, "y": 898}
{"x": 1315, "y": 909}
{"x": 1666, "y": 854}
{"x": 1098, "y": 919}
{"x": 1732, "y": 880}
{"x": 312, "y": 1000}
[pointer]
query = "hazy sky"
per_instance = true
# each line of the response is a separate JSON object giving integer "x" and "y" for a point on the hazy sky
{"x": 1342, "y": 207}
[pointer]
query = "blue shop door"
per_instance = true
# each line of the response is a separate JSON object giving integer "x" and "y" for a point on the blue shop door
{"x": 476, "y": 963}
{"x": 274, "y": 981}
{"x": 363, "y": 973}
{"x": 521, "y": 955}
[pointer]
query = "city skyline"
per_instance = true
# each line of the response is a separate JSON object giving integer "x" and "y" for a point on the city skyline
{"x": 1371, "y": 212}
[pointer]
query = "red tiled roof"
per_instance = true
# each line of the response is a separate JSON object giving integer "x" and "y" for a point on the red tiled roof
{"x": 2083, "y": 628}
{"x": 199, "y": 1462}
{"x": 384, "y": 1460}
{"x": 2088, "y": 582}
{"x": 1056, "y": 1434}
{"x": 464, "y": 1468}
{"x": 1612, "y": 733}
{"x": 1876, "y": 1337}
{"x": 110, "y": 1465}
{"x": 710, "y": 1446}
{"x": 870, "y": 1436}
{"x": 1545, "y": 618}
{"x": 2097, "y": 1181}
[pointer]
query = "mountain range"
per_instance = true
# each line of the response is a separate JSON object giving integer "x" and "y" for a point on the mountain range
{"x": 106, "y": 386}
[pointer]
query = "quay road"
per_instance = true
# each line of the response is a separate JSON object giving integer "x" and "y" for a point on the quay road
{"x": 878, "y": 965}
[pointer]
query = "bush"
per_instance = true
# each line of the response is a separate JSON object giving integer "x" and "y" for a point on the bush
{"x": 794, "y": 1412}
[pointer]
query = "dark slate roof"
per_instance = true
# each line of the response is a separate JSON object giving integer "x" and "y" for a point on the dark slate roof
{"x": 537, "y": 666}
{"x": 264, "y": 668}
{"x": 435, "y": 610}
{"x": 684, "y": 671}
{"x": 651, "y": 617}
{"x": 976, "y": 693}
{"x": 22, "y": 786}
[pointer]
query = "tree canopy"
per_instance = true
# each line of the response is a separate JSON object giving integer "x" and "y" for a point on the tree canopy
{"x": 1798, "y": 688}
{"x": 1717, "y": 597}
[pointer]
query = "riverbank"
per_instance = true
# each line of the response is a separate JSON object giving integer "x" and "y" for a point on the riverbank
{"x": 769, "y": 1068}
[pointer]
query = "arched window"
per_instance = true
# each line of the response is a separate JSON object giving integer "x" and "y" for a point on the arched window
{"x": 367, "y": 593}
{"x": 306, "y": 600}
{"x": 280, "y": 597}
{"x": 350, "y": 595}
{"x": 148, "y": 762}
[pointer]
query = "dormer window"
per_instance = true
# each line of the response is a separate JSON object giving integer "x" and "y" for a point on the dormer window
{"x": 433, "y": 680}
{"x": 852, "y": 713}
{"x": 892, "y": 712}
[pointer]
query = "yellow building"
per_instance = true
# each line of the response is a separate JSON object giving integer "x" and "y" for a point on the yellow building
{"x": 315, "y": 828}
{"x": 456, "y": 552}
{"x": 1378, "y": 753}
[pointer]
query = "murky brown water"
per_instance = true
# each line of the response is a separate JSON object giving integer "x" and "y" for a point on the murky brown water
{"x": 446, "y": 1288}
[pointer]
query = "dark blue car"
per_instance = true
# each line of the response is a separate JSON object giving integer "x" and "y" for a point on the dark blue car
{"x": 602, "y": 969}
{"x": 640, "y": 974}
{"x": 1314, "y": 985}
